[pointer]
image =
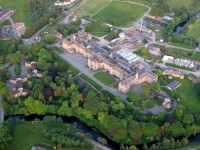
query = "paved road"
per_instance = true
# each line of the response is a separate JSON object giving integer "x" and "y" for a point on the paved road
{"x": 23, "y": 68}
{"x": 99, "y": 145}
{"x": 1, "y": 110}
{"x": 171, "y": 46}
{"x": 11, "y": 69}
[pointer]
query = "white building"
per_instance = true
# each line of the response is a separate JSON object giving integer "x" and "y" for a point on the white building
{"x": 64, "y": 3}
{"x": 167, "y": 103}
{"x": 128, "y": 56}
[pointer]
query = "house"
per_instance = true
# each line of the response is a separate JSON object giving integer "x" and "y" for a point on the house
{"x": 82, "y": 37}
{"x": 154, "y": 50}
{"x": 18, "y": 82}
{"x": 19, "y": 90}
{"x": 56, "y": 34}
{"x": 5, "y": 12}
{"x": 20, "y": 28}
{"x": 173, "y": 73}
{"x": 167, "y": 103}
{"x": 38, "y": 148}
{"x": 173, "y": 85}
{"x": 6, "y": 32}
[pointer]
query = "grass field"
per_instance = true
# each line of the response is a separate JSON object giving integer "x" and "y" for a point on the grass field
{"x": 121, "y": 14}
{"x": 27, "y": 134}
{"x": 192, "y": 5}
{"x": 94, "y": 7}
{"x": 100, "y": 31}
{"x": 21, "y": 9}
{"x": 105, "y": 78}
{"x": 187, "y": 94}
{"x": 194, "y": 30}
{"x": 114, "y": 12}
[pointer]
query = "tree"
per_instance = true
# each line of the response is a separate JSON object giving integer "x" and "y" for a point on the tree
{"x": 51, "y": 21}
{"x": 21, "y": 48}
{"x": 35, "y": 106}
{"x": 188, "y": 119}
{"x": 158, "y": 72}
{"x": 144, "y": 51}
{"x": 145, "y": 41}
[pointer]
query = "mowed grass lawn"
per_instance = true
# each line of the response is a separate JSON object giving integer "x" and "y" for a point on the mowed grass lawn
{"x": 192, "y": 5}
{"x": 100, "y": 31}
{"x": 20, "y": 8}
{"x": 121, "y": 14}
{"x": 28, "y": 134}
{"x": 105, "y": 78}
{"x": 194, "y": 30}
{"x": 91, "y": 7}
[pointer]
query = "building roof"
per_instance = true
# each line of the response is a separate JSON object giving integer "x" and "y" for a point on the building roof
{"x": 173, "y": 85}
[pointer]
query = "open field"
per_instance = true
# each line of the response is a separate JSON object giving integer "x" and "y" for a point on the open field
{"x": 194, "y": 30}
{"x": 28, "y": 134}
{"x": 105, "y": 78}
{"x": 121, "y": 14}
{"x": 94, "y": 7}
{"x": 187, "y": 94}
{"x": 114, "y": 12}
{"x": 192, "y": 5}
{"x": 20, "y": 8}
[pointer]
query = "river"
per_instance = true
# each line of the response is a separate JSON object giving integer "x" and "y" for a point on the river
{"x": 95, "y": 134}
{"x": 181, "y": 25}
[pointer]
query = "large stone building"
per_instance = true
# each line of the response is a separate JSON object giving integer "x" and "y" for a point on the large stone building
{"x": 98, "y": 59}
{"x": 137, "y": 79}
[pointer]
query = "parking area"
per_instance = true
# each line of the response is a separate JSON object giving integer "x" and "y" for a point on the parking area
{"x": 78, "y": 61}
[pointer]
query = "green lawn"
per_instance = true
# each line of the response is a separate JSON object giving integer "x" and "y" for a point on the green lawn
{"x": 192, "y": 5}
{"x": 121, "y": 13}
{"x": 194, "y": 30}
{"x": 94, "y": 7}
{"x": 21, "y": 9}
{"x": 100, "y": 31}
{"x": 28, "y": 134}
{"x": 188, "y": 96}
{"x": 105, "y": 78}
{"x": 90, "y": 81}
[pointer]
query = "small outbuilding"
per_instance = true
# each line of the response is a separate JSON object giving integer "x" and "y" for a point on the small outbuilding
{"x": 173, "y": 85}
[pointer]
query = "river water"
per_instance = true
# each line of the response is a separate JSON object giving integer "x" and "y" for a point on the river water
{"x": 95, "y": 134}
{"x": 181, "y": 25}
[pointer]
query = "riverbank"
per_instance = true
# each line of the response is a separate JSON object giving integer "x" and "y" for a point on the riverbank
{"x": 93, "y": 133}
